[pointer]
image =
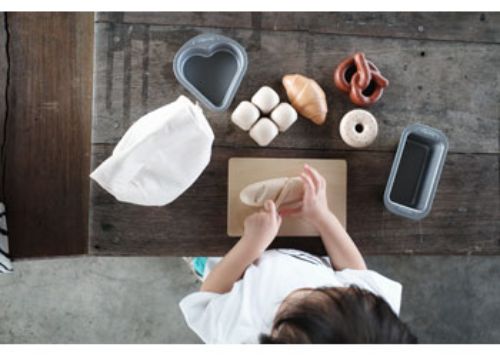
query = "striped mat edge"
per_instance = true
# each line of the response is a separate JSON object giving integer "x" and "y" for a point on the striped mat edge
{"x": 5, "y": 263}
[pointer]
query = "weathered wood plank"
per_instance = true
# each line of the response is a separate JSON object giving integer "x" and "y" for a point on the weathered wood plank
{"x": 453, "y": 26}
{"x": 3, "y": 87}
{"x": 448, "y": 85}
{"x": 48, "y": 133}
{"x": 464, "y": 219}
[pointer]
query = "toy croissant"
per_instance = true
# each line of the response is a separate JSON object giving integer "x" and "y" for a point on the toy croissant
{"x": 306, "y": 97}
{"x": 284, "y": 191}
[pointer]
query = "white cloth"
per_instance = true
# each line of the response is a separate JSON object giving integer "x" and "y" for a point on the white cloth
{"x": 248, "y": 310}
{"x": 160, "y": 155}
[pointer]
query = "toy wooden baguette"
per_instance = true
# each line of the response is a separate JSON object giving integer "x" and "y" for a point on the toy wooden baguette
{"x": 284, "y": 191}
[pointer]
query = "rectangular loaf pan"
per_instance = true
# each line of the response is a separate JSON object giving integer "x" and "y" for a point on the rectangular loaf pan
{"x": 415, "y": 172}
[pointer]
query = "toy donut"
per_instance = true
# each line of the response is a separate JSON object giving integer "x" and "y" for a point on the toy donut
{"x": 361, "y": 79}
{"x": 358, "y": 128}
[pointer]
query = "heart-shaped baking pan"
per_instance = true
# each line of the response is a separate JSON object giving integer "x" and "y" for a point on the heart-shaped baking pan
{"x": 211, "y": 68}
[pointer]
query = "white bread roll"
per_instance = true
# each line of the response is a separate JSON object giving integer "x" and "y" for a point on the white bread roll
{"x": 245, "y": 115}
{"x": 264, "y": 131}
{"x": 284, "y": 115}
{"x": 266, "y": 99}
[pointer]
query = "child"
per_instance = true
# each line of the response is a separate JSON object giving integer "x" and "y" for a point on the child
{"x": 288, "y": 296}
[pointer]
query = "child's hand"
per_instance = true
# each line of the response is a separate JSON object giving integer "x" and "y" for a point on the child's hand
{"x": 260, "y": 230}
{"x": 262, "y": 227}
{"x": 314, "y": 203}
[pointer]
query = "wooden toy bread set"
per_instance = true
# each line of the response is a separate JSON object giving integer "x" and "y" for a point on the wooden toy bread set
{"x": 305, "y": 95}
{"x": 416, "y": 168}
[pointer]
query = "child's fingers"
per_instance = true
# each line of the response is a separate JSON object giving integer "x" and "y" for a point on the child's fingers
{"x": 289, "y": 211}
{"x": 272, "y": 210}
{"x": 309, "y": 172}
{"x": 309, "y": 188}
{"x": 318, "y": 179}
{"x": 270, "y": 207}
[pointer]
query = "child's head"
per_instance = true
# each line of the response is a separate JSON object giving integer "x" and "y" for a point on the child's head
{"x": 336, "y": 315}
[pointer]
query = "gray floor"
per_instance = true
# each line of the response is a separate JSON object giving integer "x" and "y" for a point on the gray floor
{"x": 135, "y": 300}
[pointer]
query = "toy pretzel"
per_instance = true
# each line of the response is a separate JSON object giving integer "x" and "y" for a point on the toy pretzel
{"x": 361, "y": 79}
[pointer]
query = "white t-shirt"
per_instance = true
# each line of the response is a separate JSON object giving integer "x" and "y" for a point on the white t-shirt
{"x": 248, "y": 310}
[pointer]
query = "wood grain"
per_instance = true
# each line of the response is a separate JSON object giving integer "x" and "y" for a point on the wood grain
{"x": 4, "y": 64}
{"x": 463, "y": 26}
{"x": 443, "y": 72}
{"x": 453, "y": 86}
{"x": 464, "y": 219}
{"x": 48, "y": 133}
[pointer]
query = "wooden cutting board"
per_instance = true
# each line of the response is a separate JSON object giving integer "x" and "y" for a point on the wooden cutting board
{"x": 245, "y": 171}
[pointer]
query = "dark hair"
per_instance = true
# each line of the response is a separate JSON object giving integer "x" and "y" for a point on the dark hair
{"x": 339, "y": 315}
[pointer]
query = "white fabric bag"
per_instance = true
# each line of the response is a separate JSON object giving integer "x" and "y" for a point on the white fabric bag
{"x": 160, "y": 156}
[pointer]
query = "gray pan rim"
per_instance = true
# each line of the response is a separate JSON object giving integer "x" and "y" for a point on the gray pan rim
{"x": 214, "y": 43}
{"x": 402, "y": 210}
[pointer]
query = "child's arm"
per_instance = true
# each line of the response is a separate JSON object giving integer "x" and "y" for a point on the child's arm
{"x": 260, "y": 230}
{"x": 341, "y": 249}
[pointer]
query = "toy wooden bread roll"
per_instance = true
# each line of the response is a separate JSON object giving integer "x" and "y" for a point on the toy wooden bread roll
{"x": 284, "y": 116}
{"x": 245, "y": 115}
{"x": 266, "y": 99}
{"x": 358, "y": 128}
{"x": 264, "y": 131}
{"x": 284, "y": 191}
{"x": 306, "y": 96}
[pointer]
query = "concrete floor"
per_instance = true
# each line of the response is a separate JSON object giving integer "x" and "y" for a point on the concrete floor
{"x": 135, "y": 300}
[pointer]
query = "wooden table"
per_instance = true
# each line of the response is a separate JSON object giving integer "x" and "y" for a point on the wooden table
{"x": 442, "y": 74}
{"x": 443, "y": 70}
{"x": 45, "y": 117}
